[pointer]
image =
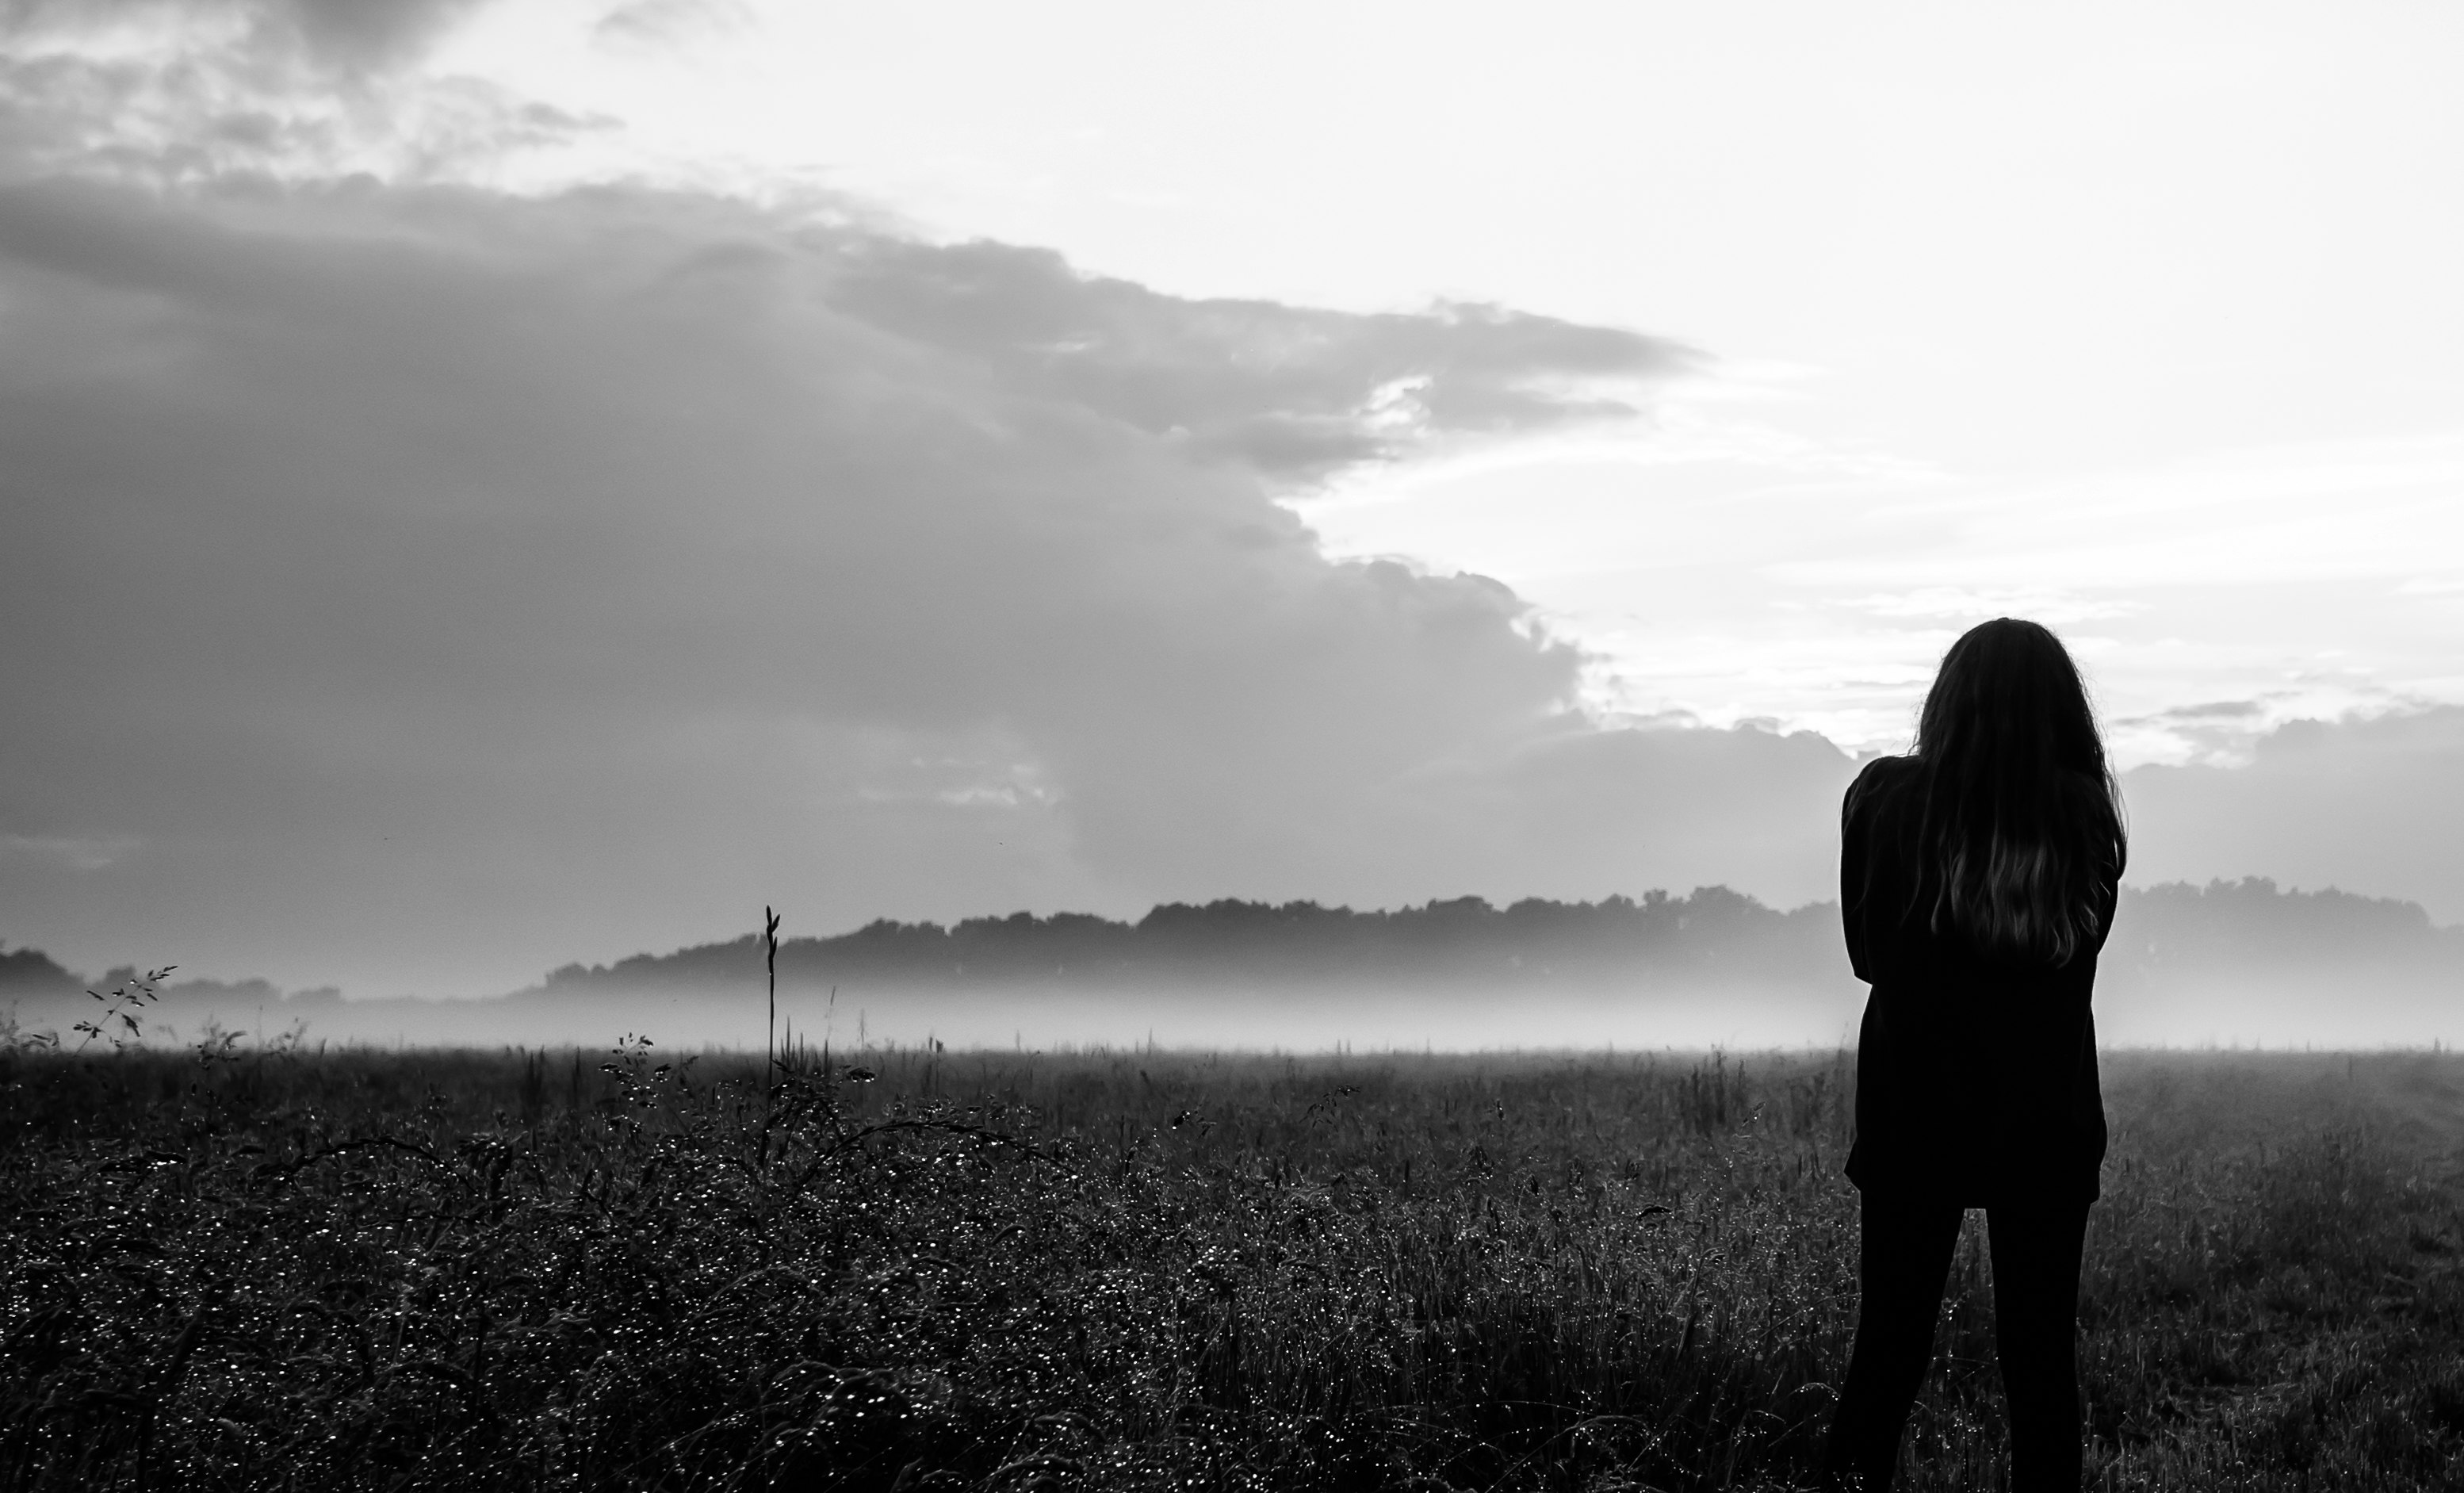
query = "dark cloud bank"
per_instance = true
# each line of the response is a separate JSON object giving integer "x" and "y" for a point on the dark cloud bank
{"x": 395, "y": 569}
{"x": 417, "y": 585}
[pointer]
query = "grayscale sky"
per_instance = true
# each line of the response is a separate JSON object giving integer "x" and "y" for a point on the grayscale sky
{"x": 483, "y": 485}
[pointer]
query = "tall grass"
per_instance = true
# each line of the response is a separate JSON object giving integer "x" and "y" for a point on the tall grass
{"x": 1142, "y": 1269}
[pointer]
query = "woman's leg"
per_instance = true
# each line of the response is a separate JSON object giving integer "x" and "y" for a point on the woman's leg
{"x": 1905, "y": 1248}
{"x": 2037, "y": 1252}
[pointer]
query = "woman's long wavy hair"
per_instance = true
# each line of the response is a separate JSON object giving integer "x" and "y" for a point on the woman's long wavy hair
{"x": 2019, "y": 826}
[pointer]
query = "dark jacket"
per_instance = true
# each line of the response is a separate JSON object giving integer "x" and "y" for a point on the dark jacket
{"x": 1975, "y": 1076}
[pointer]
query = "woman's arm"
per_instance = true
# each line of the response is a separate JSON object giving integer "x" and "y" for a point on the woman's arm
{"x": 1853, "y": 848}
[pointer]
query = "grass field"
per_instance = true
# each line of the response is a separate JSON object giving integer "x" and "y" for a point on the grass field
{"x": 1150, "y": 1270}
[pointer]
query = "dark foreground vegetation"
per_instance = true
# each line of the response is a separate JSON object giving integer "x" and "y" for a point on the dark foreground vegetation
{"x": 233, "y": 1268}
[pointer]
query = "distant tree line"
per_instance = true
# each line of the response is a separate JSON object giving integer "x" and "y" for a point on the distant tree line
{"x": 1709, "y": 934}
{"x": 31, "y": 974}
{"x": 1712, "y": 932}
{"x": 30, "y": 971}
{"x": 1466, "y": 939}
{"x": 2251, "y": 921}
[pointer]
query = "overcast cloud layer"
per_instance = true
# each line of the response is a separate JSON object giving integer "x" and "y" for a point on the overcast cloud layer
{"x": 417, "y": 585}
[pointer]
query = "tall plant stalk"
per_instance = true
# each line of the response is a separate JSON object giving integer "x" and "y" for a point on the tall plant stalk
{"x": 770, "y": 1041}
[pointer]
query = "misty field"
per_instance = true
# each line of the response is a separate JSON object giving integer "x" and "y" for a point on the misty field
{"x": 1138, "y": 1269}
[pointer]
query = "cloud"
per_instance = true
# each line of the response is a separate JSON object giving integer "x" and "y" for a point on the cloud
{"x": 2051, "y": 606}
{"x": 335, "y": 36}
{"x": 401, "y": 566}
{"x": 166, "y": 94}
{"x": 659, "y": 24}
{"x": 1584, "y": 812}
{"x": 2372, "y": 806}
{"x": 49, "y": 851}
{"x": 1286, "y": 391}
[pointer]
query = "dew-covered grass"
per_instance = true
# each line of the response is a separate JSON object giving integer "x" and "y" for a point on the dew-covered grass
{"x": 1145, "y": 1269}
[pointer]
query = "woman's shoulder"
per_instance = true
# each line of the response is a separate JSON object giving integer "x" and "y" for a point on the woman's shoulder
{"x": 1877, "y": 777}
{"x": 1885, "y": 768}
{"x": 1868, "y": 798}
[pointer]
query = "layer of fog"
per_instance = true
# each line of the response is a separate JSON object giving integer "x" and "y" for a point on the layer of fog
{"x": 2365, "y": 1010}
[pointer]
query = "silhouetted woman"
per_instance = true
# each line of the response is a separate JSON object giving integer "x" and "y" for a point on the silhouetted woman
{"x": 1977, "y": 878}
